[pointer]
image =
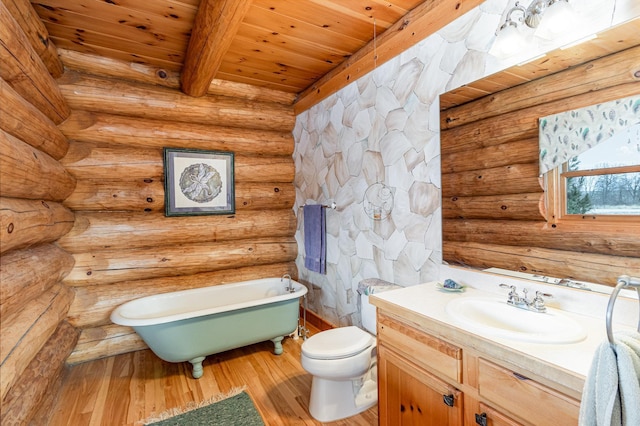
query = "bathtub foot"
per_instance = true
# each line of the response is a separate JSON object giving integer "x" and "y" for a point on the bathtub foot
{"x": 197, "y": 367}
{"x": 277, "y": 343}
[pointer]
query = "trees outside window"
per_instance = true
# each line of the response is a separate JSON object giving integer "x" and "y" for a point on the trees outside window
{"x": 601, "y": 183}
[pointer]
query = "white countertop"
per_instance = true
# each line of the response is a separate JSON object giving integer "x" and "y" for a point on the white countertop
{"x": 564, "y": 364}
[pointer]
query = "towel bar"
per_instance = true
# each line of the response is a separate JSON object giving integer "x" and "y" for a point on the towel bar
{"x": 624, "y": 281}
{"x": 324, "y": 206}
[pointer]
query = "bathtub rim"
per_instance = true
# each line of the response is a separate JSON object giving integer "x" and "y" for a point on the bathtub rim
{"x": 117, "y": 317}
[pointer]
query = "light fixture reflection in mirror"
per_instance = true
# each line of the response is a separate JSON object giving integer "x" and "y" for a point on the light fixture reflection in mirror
{"x": 559, "y": 18}
{"x": 525, "y": 26}
{"x": 510, "y": 41}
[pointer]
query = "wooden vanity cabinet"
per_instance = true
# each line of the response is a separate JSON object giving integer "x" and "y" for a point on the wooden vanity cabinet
{"x": 423, "y": 380}
{"x": 409, "y": 394}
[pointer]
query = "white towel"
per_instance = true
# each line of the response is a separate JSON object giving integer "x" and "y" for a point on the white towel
{"x": 611, "y": 394}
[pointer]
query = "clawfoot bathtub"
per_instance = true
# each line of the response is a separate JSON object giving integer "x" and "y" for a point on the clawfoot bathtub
{"x": 188, "y": 325}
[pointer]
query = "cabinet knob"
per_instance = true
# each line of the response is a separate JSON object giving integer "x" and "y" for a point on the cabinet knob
{"x": 448, "y": 399}
{"x": 481, "y": 419}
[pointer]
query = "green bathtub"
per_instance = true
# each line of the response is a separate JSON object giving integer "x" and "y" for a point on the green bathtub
{"x": 188, "y": 325}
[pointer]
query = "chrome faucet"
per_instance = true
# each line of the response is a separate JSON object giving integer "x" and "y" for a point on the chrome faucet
{"x": 535, "y": 305}
{"x": 567, "y": 282}
{"x": 289, "y": 287}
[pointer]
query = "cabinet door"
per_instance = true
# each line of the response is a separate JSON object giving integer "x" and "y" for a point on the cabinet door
{"x": 408, "y": 395}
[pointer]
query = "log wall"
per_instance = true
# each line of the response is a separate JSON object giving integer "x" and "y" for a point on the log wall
{"x": 492, "y": 197}
{"x": 34, "y": 304}
{"x": 82, "y": 200}
{"x": 123, "y": 245}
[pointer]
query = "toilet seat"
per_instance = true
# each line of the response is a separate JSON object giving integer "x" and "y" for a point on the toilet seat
{"x": 342, "y": 342}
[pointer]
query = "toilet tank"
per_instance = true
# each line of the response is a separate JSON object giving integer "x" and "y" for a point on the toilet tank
{"x": 368, "y": 311}
{"x": 368, "y": 315}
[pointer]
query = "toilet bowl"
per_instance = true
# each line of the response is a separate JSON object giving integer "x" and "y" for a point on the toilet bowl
{"x": 342, "y": 362}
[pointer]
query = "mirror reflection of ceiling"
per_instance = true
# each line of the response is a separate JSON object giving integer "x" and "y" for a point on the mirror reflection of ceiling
{"x": 570, "y": 133}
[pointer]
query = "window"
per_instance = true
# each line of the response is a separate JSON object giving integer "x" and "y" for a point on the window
{"x": 602, "y": 183}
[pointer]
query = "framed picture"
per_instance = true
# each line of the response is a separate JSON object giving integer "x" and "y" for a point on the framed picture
{"x": 198, "y": 182}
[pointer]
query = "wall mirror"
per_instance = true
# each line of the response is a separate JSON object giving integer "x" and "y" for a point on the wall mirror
{"x": 493, "y": 196}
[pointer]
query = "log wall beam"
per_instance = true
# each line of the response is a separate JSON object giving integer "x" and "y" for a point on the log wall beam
{"x": 605, "y": 240}
{"x": 127, "y": 132}
{"x": 28, "y": 273}
{"x": 522, "y": 124}
{"x": 28, "y": 19}
{"x": 103, "y": 341}
{"x": 144, "y": 101}
{"x": 23, "y": 69}
{"x": 123, "y": 231}
{"x": 523, "y": 151}
{"x": 31, "y": 392}
{"x": 214, "y": 29}
{"x": 613, "y": 70}
{"x": 93, "y": 305}
{"x": 535, "y": 260}
{"x": 30, "y": 173}
{"x": 88, "y": 161}
{"x": 24, "y": 121}
{"x": 24, "y": 223}
{"x": 112, "y": 266}
{"x": 26, "y": 332}
{"x": 108, "y": 67}
{"x": 147, "y": 195}
{"x": 522, "y": 206}
{"x": 513, "y": 179}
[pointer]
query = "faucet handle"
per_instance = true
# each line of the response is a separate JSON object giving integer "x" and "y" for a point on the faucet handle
{"x": 540, "y": 294}
{"x": 513, "y": 294}
{"x": 510, "y": 287}
{"x": 538, "y": 301}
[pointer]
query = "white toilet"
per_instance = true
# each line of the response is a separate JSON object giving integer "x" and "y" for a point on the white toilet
{"x": 343, "y": 364}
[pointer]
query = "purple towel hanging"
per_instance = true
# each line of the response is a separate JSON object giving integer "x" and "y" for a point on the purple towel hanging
{"x": 315, "y": 238}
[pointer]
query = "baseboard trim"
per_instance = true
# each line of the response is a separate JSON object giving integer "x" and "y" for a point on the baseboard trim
{"x": 315, "y": 320}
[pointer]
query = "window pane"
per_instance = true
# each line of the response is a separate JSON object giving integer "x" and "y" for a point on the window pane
{"x": 623, "y": 149}
{"x": 612, "y": 194}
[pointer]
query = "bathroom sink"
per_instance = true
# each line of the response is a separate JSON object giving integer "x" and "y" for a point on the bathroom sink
{"x": 498, "y": 319}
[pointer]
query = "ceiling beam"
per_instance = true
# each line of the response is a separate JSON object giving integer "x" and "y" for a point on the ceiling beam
{"x": 215, "y": 27}
{"x": 419, "y": 23}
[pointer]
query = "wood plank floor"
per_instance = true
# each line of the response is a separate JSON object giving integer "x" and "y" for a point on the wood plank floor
{"x": 126, "y": 389}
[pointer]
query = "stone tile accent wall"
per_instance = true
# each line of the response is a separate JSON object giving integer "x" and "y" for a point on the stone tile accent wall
{"x": 384, "y": 127}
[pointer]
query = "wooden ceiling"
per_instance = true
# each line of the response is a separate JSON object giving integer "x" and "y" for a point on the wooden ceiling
{"x": 306, "y": 49}
{"x": 284, "y": 45}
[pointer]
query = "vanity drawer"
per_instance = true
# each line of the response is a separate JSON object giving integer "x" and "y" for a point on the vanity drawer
{"x": 426, "y": 351}
{"x": 526, "y": 398}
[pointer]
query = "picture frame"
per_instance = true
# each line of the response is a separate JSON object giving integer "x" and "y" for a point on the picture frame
{"x": 198, "y": 182}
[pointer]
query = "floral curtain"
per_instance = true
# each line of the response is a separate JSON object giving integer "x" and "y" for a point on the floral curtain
{"x": 567, "y": 134}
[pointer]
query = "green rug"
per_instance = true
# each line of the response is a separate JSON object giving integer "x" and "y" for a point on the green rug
{"x": 236, "y": 410}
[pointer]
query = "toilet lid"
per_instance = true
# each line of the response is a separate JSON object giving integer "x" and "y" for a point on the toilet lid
{"x": 337, "y": 343}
